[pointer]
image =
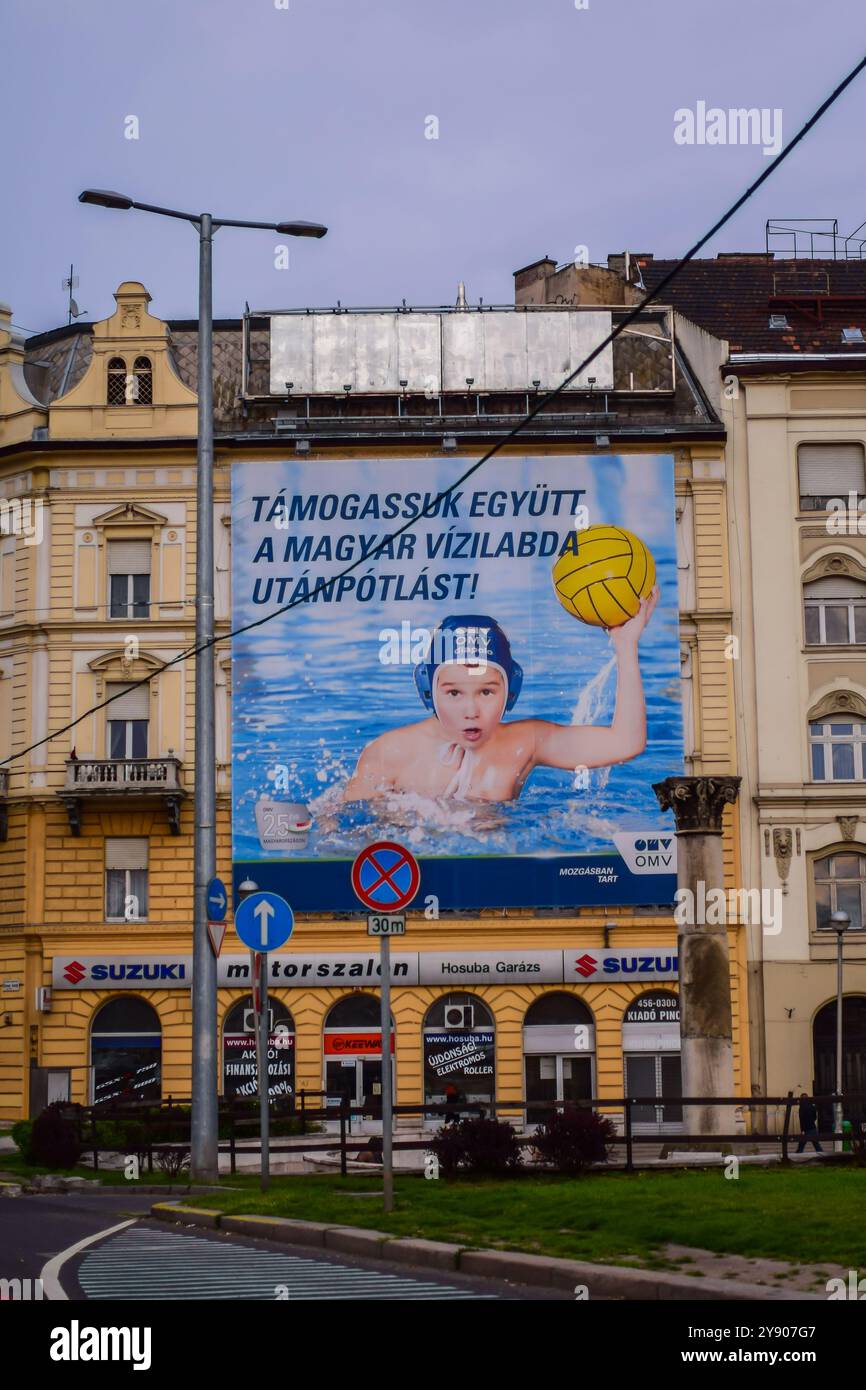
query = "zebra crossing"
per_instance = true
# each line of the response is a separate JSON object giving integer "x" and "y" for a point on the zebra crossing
{"x": 142, "y": 1263}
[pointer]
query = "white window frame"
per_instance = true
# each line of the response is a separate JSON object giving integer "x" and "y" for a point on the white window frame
{"x": 823, "y": 932}
{"x": 826, "y": 739}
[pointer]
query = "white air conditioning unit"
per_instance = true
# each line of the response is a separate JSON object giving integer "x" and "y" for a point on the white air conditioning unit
{"x": 459, "y": 1016}
{"x": 250, "y": 1021}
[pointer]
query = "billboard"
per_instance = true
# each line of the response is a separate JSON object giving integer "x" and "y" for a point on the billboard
{"x": 487, "y": 672}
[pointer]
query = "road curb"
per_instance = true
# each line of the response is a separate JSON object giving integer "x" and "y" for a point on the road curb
{"x": 598, "y": 1280}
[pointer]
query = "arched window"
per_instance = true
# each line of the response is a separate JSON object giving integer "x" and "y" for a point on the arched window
{"x": 117, "y": 393}
{"x": 558, "y": 1052}
{"x": 557, "y": 1009}
{"x": 835, "y": 611}
{"x": 126, "y": 1051}
{"x": 459, "y": 1052}
{"x": 840, "y": 886}
{"x": 853, "y": 1058}
{"x": 143, "y": 379}
{"x": 353, "y": 1052}
{"x": 240, "y": 1067}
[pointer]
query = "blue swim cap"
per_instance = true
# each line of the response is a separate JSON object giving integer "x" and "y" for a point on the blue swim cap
{"x": 468, "y": 639}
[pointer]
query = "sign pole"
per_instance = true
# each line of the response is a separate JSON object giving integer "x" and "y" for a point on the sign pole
{"x": 264, "y": 1099}
{"x": 387, "y": 1156}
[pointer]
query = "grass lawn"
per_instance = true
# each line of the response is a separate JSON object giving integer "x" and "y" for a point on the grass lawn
{"x": 13, "y": 1164}
{"x": 807, "y": 1215}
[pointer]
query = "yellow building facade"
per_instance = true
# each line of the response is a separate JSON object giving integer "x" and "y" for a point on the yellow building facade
{"x": 96, "y": 859}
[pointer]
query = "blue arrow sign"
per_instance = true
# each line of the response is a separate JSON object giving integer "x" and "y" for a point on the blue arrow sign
{"x": 217, "y": 900}
{"x": 264, "y": 921}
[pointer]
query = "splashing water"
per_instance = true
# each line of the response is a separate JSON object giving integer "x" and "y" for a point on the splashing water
{"x": 593, "y": 702}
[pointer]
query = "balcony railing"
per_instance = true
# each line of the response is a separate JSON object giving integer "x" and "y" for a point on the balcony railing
{"x": 109, "y": 777}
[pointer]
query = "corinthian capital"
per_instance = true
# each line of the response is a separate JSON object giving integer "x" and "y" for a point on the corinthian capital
{"x": 697, "y": 802}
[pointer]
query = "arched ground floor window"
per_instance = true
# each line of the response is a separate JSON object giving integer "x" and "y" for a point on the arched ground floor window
{"x": 240, "y": 1064}
{"x": 126, "y": 1051}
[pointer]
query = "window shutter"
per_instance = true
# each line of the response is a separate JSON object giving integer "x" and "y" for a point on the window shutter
{"x": 831, "y": 470}
{"x": 833, "y": 586}
{"x": 126, "y": 854}
{"x": 134, "y": 704}
{"x": 129, "y": 557}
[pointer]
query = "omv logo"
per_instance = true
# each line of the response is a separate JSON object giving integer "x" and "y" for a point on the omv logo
{"x": 648, "y": 851}
{"x": 74, "y": 972}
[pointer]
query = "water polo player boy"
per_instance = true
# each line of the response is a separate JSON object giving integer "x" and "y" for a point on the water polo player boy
{"x": 465, "y": 750}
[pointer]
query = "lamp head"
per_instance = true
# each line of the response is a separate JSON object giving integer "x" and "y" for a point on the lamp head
{"x": 104, "y": 198}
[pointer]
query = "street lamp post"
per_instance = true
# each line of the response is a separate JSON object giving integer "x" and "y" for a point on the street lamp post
{"x": 840, "y": 922}
{"x": 204, "y": 1158}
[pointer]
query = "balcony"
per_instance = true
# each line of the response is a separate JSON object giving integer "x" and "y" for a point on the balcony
{"x": 91, "y": 779}
{"x": 4, "y": 809}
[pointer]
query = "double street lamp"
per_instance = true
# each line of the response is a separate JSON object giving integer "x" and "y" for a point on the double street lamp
{"x": 204, "y": 1159}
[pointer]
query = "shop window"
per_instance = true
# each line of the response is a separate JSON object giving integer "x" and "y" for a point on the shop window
{"x": 459, "y": 1052}
{"x": 240, "y": 1065}
{"x": 353, "y": 1053}
{"x": 126, "y": 1051}
{"x": 830, "y": 471}
{"x": 840, "y": 886}
{"x": 651, "y": 1054}
{"x": 558, "y": 1053}
{"x": 129, "y": 579}
{"x": 835, "y": 611}
{"x": 116, "y": 390}
{"x": 836, "y": 746}
{"x": 142, "y": 375}
{"x": 127, "y": 721}
{"x": 126, "y": 880}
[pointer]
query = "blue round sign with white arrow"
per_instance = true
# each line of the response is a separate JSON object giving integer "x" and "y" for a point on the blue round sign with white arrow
{"x": 217, "y": 900}
{"x": 264, "y": 921}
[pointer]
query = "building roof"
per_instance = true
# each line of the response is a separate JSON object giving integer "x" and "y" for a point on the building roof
{"x": 734, "y": 295}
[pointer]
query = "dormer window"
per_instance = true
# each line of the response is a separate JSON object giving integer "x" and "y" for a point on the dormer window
{"x": 130, "y": 388}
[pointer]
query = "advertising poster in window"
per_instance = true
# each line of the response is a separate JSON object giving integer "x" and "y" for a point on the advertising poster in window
{"x": 489, "y": 675}
{"x": 458, "y": 1067}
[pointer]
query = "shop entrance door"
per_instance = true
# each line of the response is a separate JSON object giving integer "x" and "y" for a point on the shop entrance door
{"x": 658, "y": 1074}
{"x": 556, "y": 1077}
{"x": 361, "y": 1079}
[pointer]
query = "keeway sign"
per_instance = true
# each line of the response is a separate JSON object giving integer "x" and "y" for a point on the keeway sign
{"x": 355, "y": 1044}
{"x": 407, "y": 968}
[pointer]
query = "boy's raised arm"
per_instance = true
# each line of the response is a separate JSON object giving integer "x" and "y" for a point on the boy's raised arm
{"x": 570, "y": 747}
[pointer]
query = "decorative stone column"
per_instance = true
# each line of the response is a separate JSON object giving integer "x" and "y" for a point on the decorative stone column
{"x": 704, "y": 973}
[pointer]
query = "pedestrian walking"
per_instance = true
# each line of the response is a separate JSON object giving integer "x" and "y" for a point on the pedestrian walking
{"x": 808, "y": 1125}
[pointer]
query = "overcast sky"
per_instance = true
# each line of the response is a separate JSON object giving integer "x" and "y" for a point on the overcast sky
{"x": 555, "y": 129}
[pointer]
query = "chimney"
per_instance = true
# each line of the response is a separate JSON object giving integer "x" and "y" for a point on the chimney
{"x": 529, "y": 282}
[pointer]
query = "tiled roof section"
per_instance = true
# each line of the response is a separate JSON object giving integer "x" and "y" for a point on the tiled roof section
{"x": 45, "y": 368}
{"x": 733, "y": 297}
{"x": 228, "y": 368}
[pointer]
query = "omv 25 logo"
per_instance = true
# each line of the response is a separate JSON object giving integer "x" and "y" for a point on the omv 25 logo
{"x": 648, "y": 851}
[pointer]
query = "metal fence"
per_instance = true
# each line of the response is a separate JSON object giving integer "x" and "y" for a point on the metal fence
{"x": 149, "y": 1129}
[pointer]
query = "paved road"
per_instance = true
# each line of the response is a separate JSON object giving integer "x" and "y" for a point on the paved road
{"x": 149, "y": 1261}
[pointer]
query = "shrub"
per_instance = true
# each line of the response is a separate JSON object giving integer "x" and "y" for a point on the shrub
{"x": 572, "y": 1139}
{"x": 21, "y": 1134}
{"x": 172, "y": 1161}
{"x": 54, "y": 1138}
{"x": 477, "y": 1146}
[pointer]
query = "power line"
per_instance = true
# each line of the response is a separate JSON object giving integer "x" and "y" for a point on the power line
{"x": 521, "y": 425}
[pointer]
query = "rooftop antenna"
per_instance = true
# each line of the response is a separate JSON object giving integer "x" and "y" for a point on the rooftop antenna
{"x": 70, "y": 283}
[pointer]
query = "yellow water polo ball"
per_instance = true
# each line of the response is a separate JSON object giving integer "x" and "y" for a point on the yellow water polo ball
{"x": 603, "y": 575}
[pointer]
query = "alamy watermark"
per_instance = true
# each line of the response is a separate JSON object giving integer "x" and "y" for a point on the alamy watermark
{"x": 846, "y": 518}
{"x": 717, "y": 907}
{"x": 22, "y": 517}
{"x": 735, "y": 126}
